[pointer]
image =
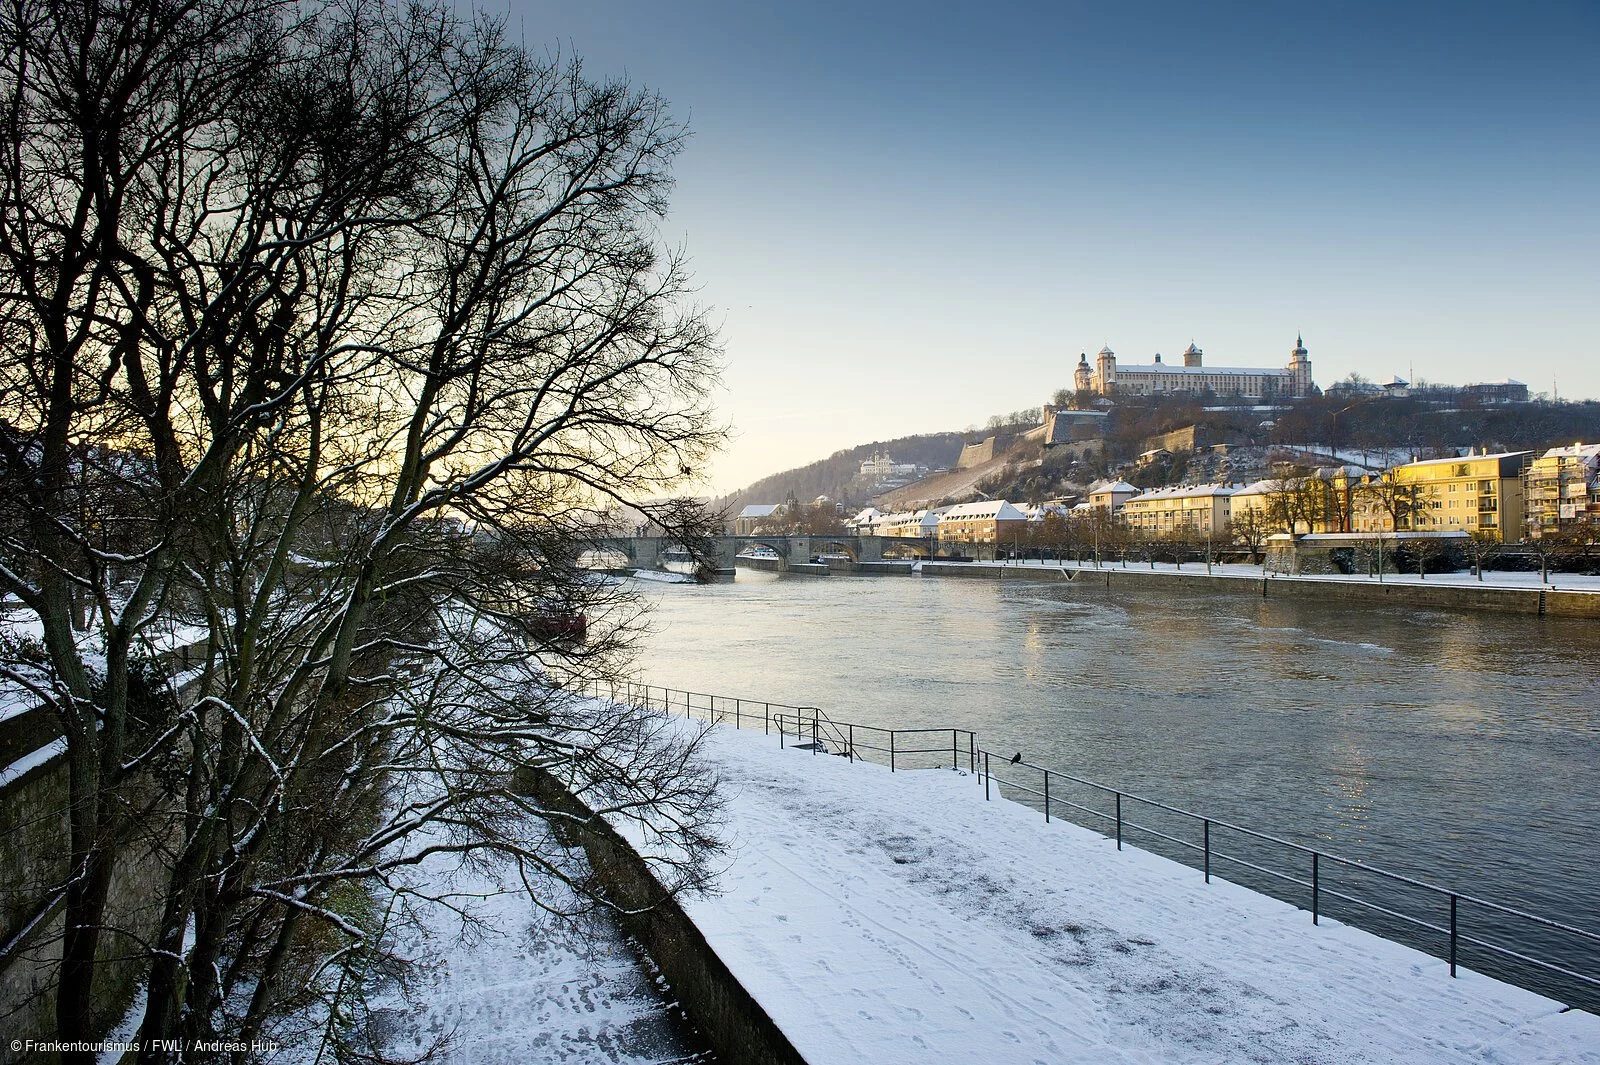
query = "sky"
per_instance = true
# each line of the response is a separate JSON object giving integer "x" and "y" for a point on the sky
{"x": 908, "y": 217}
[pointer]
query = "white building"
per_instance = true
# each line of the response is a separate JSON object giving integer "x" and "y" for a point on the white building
{"x": 1109, "y": 496}
{"x": 867, "y": 522}
{"x": 1193, "y": 377}
{"x": 1562, "y": 487}
{"x": 753, "y": 515}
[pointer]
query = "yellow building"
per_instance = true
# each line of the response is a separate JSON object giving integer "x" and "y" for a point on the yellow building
{"x": 1473, "y": 493}
{"x": 987, "y": 522}
{"x": 1185, "y": 508}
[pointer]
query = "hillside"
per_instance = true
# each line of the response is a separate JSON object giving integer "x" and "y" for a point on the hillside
{"x": 1434, "y": 422}
{"x": 833, "y": 475}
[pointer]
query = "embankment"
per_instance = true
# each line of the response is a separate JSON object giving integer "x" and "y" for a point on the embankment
{"x": 728, "y": 1017}
{"x": 1443, "y": 595}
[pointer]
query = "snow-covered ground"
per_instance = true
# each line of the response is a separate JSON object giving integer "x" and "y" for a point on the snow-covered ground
{"x": 661, "y": 576}
{"x": 899, "y": 918}
{"x": 1571, "y": 582}
{"x": 516, "y": 987}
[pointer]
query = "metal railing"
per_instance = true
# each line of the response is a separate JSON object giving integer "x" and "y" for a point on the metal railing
{"x": 808, "y": 727}
{"x": 1500, "y": 941}
{"x": 1320, "y": 881}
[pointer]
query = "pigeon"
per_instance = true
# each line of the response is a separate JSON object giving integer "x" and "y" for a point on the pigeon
{"x": 1016, "y": 758}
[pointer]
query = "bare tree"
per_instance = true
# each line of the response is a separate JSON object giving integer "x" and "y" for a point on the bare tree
{"x": 335, "y": 330}
{"x": 1288, "y": 503}
{"x": 1483, "y": 547}
{"x": 1249, "y": 530}
{"x": 1400, "y": 500}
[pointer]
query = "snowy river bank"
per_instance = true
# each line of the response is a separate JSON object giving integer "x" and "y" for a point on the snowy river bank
{"x": 883, "y": 918}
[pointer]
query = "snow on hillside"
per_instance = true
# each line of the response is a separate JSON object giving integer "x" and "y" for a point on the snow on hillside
{"x": 899, "y": 918}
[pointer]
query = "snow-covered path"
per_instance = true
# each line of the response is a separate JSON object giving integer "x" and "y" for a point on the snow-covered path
{"x": 898, "y": 918}
{"x": 516, "y": 987}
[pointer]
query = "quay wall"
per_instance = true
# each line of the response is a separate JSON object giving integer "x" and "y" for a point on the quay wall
{"x": 1443, "y": 596}
{"x": 729, "y": 1018}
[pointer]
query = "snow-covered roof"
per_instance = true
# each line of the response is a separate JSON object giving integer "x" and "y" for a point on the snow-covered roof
{"x": 1254, "y": 488}
{"x": 1585, "y": 451}
{"x": 912, "y": 517}
{"x": 1184, "y": 491}
{"x": 1470, "y": 458}
{"x": 1113, "y": 487}
{"x": 760, "y": 510}
{"x": 998, "y": 509}
{"x": 1176, "y": 368}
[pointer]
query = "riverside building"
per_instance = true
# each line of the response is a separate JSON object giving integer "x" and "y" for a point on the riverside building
{"x": 1201, "y": 508}
{"x": 1562, "y": 488}
{"x": 1470, "y": 493}
{"x": 985, "y": 522}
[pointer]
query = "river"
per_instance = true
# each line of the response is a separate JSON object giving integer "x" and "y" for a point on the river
{"x": 1459, "y": 748}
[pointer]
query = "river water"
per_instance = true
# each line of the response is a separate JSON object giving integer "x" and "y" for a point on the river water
{"x": 1459, "y": 748}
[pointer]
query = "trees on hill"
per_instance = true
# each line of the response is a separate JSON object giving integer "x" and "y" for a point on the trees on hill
{"x": 329, "y": 330}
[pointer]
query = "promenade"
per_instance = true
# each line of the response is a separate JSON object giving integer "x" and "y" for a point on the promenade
{"x": 898, "y": 918}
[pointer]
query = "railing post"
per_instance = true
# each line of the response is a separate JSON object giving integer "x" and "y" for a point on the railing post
{"x": 1452, "y": 935}
{"x": 815, "y": 743}
{"x": 1316, "y": 889}
{"x": 972, "y": 752}
{"x": 891, "y": 750}
{"x": 954, "y": 751}
{"x": 986, "y": 776}
{"x": 1119, "y": 819}
{"x": 850, "y": 744}
{"x": 1208, "y": 851}
{"x": 738, "y": 707}
{"x": 1047, "y": 796}
{"x": 766, "y": 715}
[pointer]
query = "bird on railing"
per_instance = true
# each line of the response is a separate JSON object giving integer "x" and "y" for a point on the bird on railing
{"x": 1016, "y": 758}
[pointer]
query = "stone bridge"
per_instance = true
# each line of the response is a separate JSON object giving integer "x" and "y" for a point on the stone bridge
{"x": 648, "y": 552}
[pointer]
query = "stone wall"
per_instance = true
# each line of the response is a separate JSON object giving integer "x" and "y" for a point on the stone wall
{"x": 731, "y": 1020}
{"x": 33, "y": 866}
{"x": 976, "y": 454}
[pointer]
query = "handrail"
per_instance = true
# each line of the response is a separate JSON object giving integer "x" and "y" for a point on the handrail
{"x": 843, "y": 735}
{"x": 1354, "y": 863}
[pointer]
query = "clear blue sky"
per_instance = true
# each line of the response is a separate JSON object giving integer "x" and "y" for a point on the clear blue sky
{"x": 909, "y": 217}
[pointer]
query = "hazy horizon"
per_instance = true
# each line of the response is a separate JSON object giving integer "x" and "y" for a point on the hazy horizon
{"x": 911, "y": 217}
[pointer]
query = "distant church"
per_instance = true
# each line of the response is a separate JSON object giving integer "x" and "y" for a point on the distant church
{"x": 1159, "y": 378}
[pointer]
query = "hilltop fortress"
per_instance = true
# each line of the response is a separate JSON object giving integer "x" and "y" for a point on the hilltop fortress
{"x": 1106, "y": 378}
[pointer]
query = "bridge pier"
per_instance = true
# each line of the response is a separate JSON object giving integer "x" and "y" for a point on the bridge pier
{"x": 646, "y": 552}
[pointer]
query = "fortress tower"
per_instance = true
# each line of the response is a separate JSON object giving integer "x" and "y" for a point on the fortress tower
{"x": 1083, "y": 377}
{"x": 1300, "y": 367}
{"x": 1191, "y": 355}
{"x": 1106, "y": 371}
